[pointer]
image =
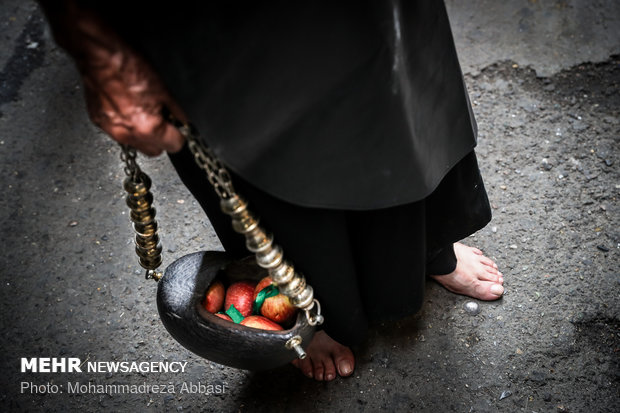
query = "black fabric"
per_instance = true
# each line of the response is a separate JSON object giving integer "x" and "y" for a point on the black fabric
{"x": 334, "y": 104}
{"x": 339, "y": 120}
{"x": 364, "y": 266}
{"x": 444, "y": 262}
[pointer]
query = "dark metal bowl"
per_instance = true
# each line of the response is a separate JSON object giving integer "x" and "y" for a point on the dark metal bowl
{"x": 179, "y": 300}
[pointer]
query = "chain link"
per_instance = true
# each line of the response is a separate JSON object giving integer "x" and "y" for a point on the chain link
{"x": 244, "y": 222}
{"x": 217, "y": 174}
{"x": 132, "y": 169}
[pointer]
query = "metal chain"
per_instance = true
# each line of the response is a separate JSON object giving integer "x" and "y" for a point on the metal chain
{"x": 217, "y": 174}
{"x": 132, "y": 169}
{"x": 140, "y": 201}
{"x": 268, "y": 256}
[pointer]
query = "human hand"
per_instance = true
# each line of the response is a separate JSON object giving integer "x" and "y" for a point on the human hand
{"x": 124, "y": 95}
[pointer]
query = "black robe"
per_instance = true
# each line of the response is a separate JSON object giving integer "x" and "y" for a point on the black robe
{"x": 333, "y": 104}
{"x": 345, "y": 123}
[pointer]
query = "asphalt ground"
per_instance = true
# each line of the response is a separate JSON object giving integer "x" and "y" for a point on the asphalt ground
{"x": 543, "y": 78}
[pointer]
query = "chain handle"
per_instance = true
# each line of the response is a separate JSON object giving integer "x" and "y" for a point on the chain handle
{"x": 268, "y": 255}
{"x": 140, "y": 200}
{"x": 290, "y": 282}
{"x": 132, "y": 169}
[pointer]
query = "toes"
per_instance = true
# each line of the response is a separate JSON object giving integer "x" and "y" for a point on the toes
{"x": 330, "y": 370}
{"x": 489, "y": 291}
{"x": 486, "y": 275}
{"x": 345, "y": 367}
{"x": 326, "y": 359}
{"x": 476, "y": 251}
{"x": 319, "y": 369}
{"x": 491, "y": 270}
{"x": 344, "y": 361}
{"x": 489, "y": 262}
{"x": 306, "y": 367}
{"x": 497, "y": 290}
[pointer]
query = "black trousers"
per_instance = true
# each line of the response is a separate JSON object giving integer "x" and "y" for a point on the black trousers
{"x": 364, "y": 266}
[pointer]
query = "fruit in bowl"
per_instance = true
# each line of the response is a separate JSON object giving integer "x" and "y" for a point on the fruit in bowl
{"x": 241, "y": 295}
{"x": 276, "y": 306}
{"x": 250, "y": 304}
{"x": 214, "y": 298}
{"x": 224, "y": 316}
{"x": 257, "y": 321}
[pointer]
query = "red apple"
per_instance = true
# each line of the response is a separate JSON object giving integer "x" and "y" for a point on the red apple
{"x": 223, "y": 316}
{"x": 214, "y": 298}
{"x": 240, "y": 295}
{"x": 257, "y": 321}
{"x": 265, "y": 282}
{"x": 277, "y": 308}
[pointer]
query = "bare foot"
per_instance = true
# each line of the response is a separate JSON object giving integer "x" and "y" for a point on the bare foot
{"x": 326, "y": 358}
{"x": 475, "y": 275}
